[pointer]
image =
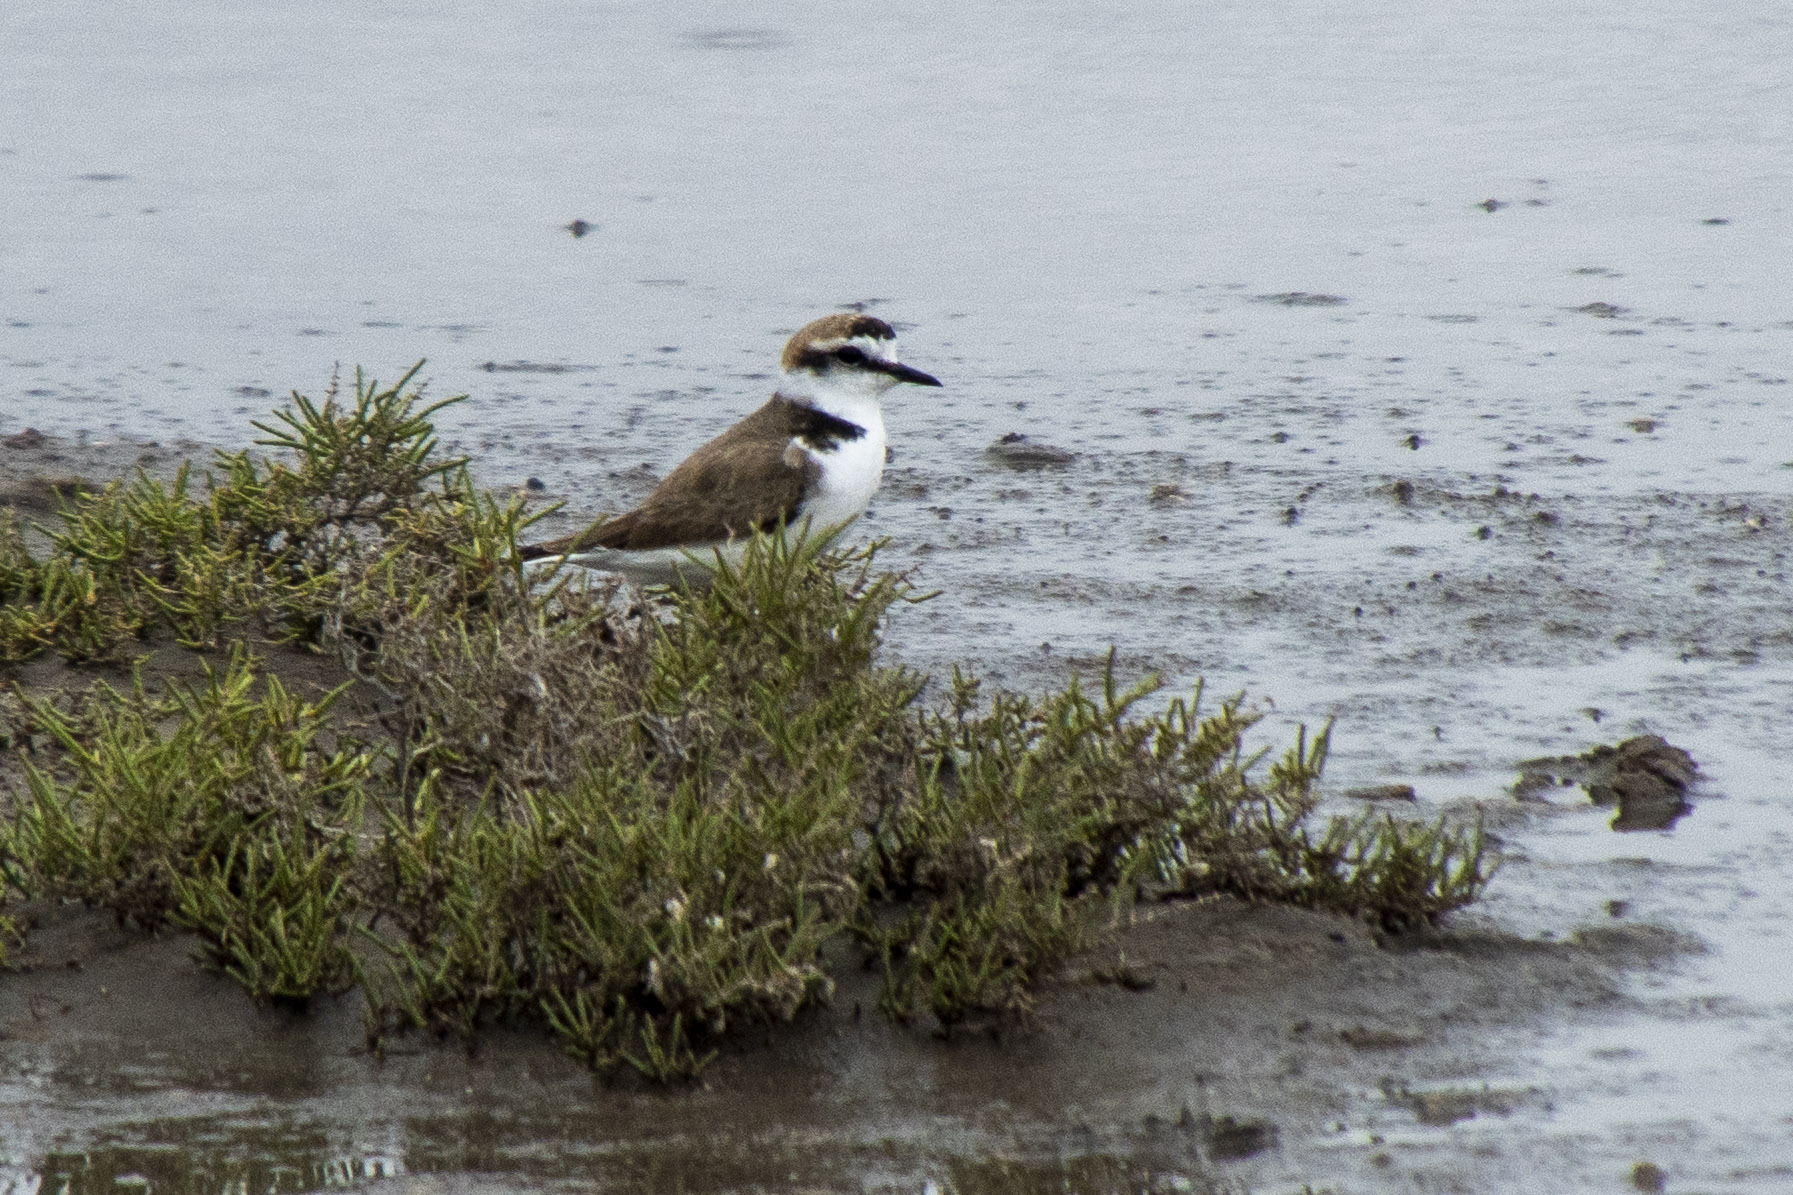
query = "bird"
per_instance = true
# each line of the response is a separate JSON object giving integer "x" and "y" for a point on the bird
{"x": 810, "y": 459}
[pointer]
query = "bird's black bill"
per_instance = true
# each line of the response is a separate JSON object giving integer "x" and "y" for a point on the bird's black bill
{"x": 904, "y": 373}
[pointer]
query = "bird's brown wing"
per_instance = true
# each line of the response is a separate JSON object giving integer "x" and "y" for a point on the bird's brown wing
{"x": 750, "y": 478}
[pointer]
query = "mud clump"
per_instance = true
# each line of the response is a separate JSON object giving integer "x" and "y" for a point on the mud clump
{"x": 40, "y": 495}
{"x": 1381, "y": 792}
{"x": 1230, "y": 1140}
{"x": 1446, "y": 1106}
{"x": 1302, "y": 298}
{"x": 1168, "y": 493}
{"x": 1016, "y": 451}
{"x": 1646, "y": 778}
{"x": 1359, "y": 1037}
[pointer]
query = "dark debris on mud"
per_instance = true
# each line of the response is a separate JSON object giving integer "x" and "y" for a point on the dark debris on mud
{"x": 1646, "y": 778}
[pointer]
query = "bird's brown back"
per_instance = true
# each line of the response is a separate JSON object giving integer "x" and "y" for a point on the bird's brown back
{"x": 751, "y": 477}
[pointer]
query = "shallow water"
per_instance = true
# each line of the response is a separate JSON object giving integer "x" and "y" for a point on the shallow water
{"x": 1235, "y": 253}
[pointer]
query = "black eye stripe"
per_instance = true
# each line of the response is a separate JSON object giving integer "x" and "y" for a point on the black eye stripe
{"x": 850, "y": 354}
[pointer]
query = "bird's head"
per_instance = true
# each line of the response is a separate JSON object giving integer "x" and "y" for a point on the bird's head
{"x": 848, "y": 353}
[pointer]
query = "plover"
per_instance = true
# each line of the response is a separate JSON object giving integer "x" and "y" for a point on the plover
{"x": 812, "y": 458}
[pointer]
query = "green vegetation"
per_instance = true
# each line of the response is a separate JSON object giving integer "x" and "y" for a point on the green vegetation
{"x": 237, "y": 821}
{"x": 396, "y": 763}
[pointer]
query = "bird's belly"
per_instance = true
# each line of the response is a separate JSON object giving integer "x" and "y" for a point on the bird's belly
{"x": 649, "y": 566}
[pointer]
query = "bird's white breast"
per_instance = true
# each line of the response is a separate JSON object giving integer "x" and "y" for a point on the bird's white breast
{"x": 852, "y": 471}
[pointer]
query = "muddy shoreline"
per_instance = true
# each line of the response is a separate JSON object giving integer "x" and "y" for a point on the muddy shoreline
{"x": 1213, "y": 1044}
{"x": 1204, "y": 1046}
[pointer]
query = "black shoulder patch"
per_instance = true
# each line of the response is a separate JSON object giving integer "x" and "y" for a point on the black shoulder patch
{"x": 819, "y": 429}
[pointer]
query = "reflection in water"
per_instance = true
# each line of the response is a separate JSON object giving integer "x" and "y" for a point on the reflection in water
{"x": 175, "y": 1170}
{"x": 684, "y": 1164}
{"x": 1101, "y": 1174}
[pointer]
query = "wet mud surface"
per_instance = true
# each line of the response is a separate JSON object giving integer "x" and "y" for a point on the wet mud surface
{"x": 1212, "y": 1046}
{"x": 1209, "y": 1046}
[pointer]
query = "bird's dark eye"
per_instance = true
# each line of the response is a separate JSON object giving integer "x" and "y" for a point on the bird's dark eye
{"x": 850, "y": 355}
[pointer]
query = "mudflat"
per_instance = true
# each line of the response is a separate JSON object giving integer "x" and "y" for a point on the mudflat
{"x": 1202, "y": 1045}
